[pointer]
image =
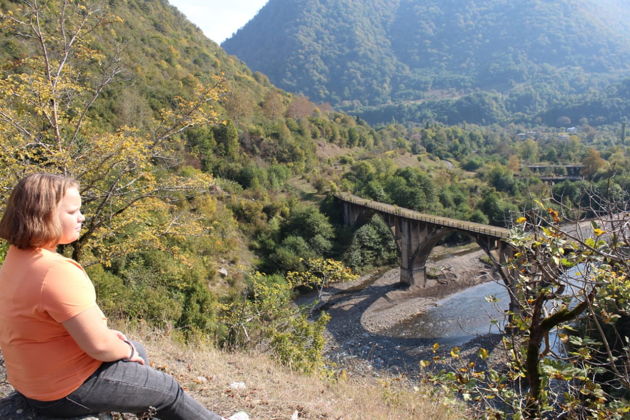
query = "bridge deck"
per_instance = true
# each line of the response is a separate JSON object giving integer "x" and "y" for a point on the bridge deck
{"x": 493, "y": 231}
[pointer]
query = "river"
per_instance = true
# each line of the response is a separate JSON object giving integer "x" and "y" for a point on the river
{"x": 377, "y": 325}
{"x": 460, "y": 317}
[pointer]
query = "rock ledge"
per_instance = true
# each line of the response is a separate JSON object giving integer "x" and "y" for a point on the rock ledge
{"x": 14, "y": 407}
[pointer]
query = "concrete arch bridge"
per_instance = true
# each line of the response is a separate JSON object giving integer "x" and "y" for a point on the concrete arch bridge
{"x": 416, "y": 234}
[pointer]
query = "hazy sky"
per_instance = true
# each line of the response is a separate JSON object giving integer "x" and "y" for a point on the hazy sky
{"x": 219, "y": 19}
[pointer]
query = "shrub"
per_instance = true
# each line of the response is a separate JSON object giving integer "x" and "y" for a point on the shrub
{"x": 267, "y": 319}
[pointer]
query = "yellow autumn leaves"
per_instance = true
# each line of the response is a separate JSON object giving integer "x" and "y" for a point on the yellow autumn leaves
{"x": 131, "y": 190}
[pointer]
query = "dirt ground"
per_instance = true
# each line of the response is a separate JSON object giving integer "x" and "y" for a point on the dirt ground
{"x": 230, "y": 382}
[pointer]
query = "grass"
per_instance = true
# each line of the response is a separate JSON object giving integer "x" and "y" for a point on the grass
{"x": 274, "y": 392}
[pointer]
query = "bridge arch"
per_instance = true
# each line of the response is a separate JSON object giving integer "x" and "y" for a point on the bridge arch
{"x": 416, "y": 234}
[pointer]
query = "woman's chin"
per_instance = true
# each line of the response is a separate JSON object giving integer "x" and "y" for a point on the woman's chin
{"x": 69, "y": 240}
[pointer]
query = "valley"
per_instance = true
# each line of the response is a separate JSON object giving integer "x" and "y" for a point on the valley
{"x": 209, "y": 183}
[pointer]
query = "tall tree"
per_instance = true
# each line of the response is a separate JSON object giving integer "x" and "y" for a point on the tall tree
{"x": 47, "y": 123}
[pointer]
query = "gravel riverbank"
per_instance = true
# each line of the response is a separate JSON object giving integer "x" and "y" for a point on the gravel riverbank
{"x": 365, "y": 313}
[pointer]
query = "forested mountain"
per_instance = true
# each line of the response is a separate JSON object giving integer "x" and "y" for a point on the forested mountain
{"x": 476, "y": 61}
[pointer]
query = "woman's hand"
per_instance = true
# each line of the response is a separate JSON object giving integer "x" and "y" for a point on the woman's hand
{"x": 134, "y": 356}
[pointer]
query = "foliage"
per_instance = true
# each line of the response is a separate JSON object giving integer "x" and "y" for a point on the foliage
{"x": 480, "y": 62}
{"x": 411, "y": 189}
{"x": 134, "y": 125}
{"x": 154, "y": 286}
{"x": 592, "y": 163}
{"x": 499, "y": 211}
{"x": 319, "y": 274}
{"x": 266, "y": 318}
{"x": 305, "y": 233}
{"x": 405, "y": 187}
{"x": 372, "y": 246}
{"x": 153, "y": 235}
{"x": 47, "y": 123}
{"x": 558, "y": 277}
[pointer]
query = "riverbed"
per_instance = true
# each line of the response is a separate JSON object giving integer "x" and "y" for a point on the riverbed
{"x": 375, "y": 324}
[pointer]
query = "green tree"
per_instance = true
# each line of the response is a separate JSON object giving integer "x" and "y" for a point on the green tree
{"x": 502, "y": 179}
{"x": 372, "y": 246}
{"x": 411, "y": 189}
{"x": 593, "y": 163}
{"x": 560, "y": 280}
{"x": 499, "y": 212}
{"x": 310, "y": 224}
{"x": 320, "y": 273}
{"x": 47, "y": 123}
{"x": 226, "y": 136}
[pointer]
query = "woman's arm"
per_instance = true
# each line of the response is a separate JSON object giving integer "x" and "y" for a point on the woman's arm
{"x": 97, "y": 340}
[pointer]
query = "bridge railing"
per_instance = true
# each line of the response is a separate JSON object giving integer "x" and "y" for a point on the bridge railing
{"x": 462, "y": 225}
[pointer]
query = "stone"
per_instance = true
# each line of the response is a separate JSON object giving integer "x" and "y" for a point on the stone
{"x": 223, "y": 272}
{"x": 241, "y": 415}
{"x": 14, "y": 407}
{"x": 238, "y": 385}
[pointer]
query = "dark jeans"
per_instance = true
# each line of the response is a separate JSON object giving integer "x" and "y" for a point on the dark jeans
{"x": 127, "y": 387}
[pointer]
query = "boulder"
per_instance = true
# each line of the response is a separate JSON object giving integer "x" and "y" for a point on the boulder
{"x": 14, "y": 407}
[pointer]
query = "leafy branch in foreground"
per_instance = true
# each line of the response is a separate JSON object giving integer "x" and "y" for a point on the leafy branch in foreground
{"x": 568, "y": 351}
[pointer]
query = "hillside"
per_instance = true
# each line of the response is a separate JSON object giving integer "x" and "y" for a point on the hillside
{"x": 499, "y": 57}
{"x": 183, "y": 153}
{"x": 229, "y": 382}
{"x": 161, "y": 54}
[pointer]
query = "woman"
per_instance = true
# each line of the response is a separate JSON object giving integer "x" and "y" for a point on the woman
{"x": 58, "y": 351}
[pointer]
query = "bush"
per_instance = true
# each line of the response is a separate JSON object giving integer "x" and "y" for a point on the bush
{"x": 372, "y": 246}
{"x": 267, "y": 319}
{"x": 161, "y": 289}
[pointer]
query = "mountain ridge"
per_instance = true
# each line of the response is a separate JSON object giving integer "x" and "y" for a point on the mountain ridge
{"x": 377, "y": 53}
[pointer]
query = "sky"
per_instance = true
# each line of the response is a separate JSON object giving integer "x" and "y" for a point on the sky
{"x": 219, "y": 19}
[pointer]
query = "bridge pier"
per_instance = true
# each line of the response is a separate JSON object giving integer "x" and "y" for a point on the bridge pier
{"x": 353, "y": 215}
{"x": 415, "y": 240}
{"x": 416, "y": 234}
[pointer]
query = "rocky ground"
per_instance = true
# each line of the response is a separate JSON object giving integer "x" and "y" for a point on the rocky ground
{"x": 364, "y": 312}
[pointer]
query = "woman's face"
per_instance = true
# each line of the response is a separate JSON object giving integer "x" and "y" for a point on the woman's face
{"x": 70, "y": 217}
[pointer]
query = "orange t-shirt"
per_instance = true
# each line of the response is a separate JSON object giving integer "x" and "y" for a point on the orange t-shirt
{"x": 39, "y": 290}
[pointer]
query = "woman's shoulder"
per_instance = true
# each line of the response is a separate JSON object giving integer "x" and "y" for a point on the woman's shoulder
{"x": 55, "y": 257}
{"x": 37, "y": 259}
{"x": 57, "y": 261}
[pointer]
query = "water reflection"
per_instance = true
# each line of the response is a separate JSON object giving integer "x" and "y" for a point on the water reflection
{"x": 459, "y": 317}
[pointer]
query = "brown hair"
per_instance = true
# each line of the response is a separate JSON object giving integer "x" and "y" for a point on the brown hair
{"x": 29, "y": 219}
